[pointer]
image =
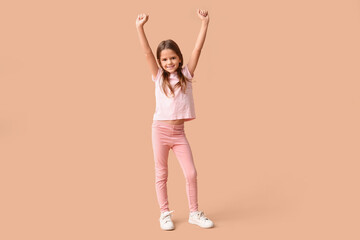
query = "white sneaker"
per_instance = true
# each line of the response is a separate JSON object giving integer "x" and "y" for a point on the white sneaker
{"x": 165, "y": 220}
{"x": 199, "y": 219}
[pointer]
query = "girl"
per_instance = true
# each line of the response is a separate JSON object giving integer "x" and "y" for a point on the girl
{"x": 174, "y": 106}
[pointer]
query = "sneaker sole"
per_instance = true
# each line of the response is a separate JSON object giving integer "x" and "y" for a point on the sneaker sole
{"x": 190, "y": 221}
{"x": 167, "y": 229}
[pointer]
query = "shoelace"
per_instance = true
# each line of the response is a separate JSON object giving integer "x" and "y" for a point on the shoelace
{"x": 166, "y": 216}
{"x": 201, "y": 216}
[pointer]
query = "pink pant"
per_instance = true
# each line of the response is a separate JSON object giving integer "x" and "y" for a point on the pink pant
{"x": 164, "y": 137}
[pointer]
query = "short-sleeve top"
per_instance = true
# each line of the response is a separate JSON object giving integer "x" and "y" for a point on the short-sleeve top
{"x": 179, "y": 106}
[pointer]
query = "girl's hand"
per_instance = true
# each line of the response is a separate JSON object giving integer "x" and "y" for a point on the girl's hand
{"x": 203, "y": 15}
{"x": 141, "y": 19}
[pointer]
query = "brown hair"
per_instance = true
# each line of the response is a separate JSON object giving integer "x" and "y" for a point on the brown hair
{"x": 170, "y": 44}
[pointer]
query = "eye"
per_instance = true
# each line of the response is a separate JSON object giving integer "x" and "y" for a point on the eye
{"x": 173, "y": 57}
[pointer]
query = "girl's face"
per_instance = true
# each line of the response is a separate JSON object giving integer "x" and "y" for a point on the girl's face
{"x": 169, "y": 60}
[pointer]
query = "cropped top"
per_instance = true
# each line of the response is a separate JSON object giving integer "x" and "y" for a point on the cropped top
{"x": 179, "y": 106}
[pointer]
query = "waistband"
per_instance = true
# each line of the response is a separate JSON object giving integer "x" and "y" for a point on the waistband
{"x": 165, "y": 124}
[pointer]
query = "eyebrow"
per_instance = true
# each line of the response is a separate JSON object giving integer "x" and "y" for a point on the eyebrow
{"x": 171, "y": 57}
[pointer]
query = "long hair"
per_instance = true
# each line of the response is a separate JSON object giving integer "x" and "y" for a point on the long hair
{"x": 170, "y": 44}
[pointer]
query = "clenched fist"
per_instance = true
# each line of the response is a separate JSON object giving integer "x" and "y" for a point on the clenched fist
{"x": 141, "y": 19}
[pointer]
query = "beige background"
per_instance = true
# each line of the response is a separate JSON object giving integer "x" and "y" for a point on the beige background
{"x": 275, "y": 142}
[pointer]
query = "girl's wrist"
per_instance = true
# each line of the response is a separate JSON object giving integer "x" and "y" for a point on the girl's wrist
{"x": 205, "y": 22}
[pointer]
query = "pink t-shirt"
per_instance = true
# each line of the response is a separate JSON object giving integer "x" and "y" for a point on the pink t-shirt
{"x": 180, "y": 106}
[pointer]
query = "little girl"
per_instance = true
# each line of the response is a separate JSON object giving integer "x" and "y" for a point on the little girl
{"x": 174, "y": 106}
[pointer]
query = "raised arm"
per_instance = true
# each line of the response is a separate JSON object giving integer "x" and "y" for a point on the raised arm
{"x": 195, "y": 55}
{"x": 150, "y": 58}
